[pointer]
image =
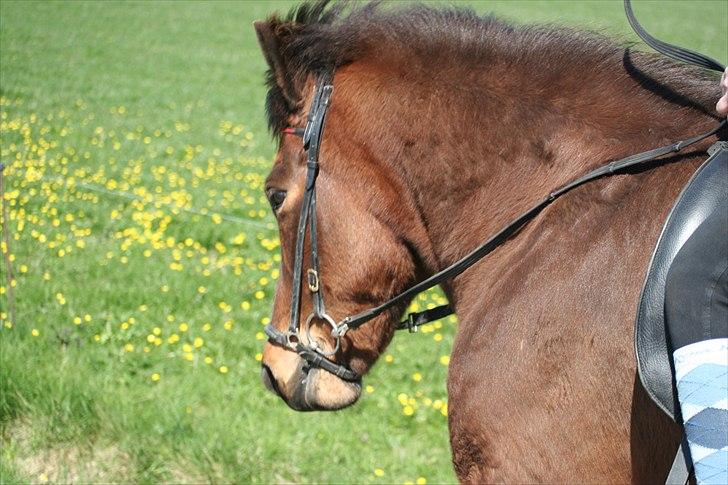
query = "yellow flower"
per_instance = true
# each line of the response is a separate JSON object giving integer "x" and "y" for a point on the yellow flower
{"x": 417, "y": 377}
{"x": 259, "y": 336}
{"x": 156, "y": 377}
{"x": 186, "y": 348}
{"x": 223, "y": 369}
{"x": 35, "y": 332}
{"x": 445, "y": 359}
{"x": 245, "y": 305}
{"x": 408, "y": 410}
{"x": 77, "y": 320}
{"x": 437, "y": 337}
{"x": 201, "y": 289}
{"x": 259, "y": 295}
{"x": 128, "y": 348}
{"x": 228, "y": 324}
{"x": 87, "y": 318}
{"x": 388, "y": 359}
{"x": 369, "y": 389}
{"x": 258, "y": 356}
{"x": 206, "y": 327}
{"x": 378, "y": 472}
{"x": 208, "y": 360}
{"x": 421, "y": 481}
{"x": 198, "y": 342}
{"x": 443, "y": 409}
{"x": 183, "y": 327}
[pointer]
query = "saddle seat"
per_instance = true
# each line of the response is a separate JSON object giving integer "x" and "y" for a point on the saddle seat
{"x": 702, "y": 194}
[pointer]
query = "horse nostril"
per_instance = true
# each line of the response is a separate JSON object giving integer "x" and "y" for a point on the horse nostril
{"x": 266, "y": 375}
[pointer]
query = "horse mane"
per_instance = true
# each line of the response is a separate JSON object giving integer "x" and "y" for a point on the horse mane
{"x": 321, "y": 35}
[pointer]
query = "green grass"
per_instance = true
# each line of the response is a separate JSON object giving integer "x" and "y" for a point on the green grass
{"x": 136, "y": 145}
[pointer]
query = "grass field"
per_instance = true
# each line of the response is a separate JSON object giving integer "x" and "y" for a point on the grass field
{"x": 145, "y": 257}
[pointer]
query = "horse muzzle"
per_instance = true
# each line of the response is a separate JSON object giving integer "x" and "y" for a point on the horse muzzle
{"x": 312, "y": 389}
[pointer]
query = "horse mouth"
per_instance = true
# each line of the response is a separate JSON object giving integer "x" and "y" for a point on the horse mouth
{"x": 314, "y": 389}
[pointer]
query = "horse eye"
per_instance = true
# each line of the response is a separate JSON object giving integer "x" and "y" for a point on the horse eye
{"x": 276, "y": 198}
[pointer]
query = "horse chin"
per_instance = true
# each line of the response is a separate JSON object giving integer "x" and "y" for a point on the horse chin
{"x": 320, "y": 390}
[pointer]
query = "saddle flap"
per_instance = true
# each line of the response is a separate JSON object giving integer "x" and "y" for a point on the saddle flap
{"x": 700, "y": 197}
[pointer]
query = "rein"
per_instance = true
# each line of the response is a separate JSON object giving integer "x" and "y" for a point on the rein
{"x": 312, "y": 352}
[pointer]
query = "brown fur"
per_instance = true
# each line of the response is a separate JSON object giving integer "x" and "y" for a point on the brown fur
{"x": 443, "y": 127}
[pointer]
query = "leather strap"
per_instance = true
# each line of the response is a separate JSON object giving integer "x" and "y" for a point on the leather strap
{"x": 672, "y": 51}
{"x": 501, "y": 236}
{"x": 417, "y": 319}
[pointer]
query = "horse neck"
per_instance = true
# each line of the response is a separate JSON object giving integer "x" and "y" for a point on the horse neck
{"x": 473, "y": 156}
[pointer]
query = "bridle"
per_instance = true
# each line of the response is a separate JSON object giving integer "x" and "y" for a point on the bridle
{"x": 312, "y": 352}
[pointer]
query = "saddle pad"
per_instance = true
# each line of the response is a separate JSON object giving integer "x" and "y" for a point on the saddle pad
{"x": 702, "y": 194}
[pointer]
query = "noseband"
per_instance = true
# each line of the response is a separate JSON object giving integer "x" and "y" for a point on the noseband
{"x": 309, "y": 348}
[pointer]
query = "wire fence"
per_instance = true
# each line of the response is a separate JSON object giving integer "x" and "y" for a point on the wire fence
{"x": 128, "y": 195}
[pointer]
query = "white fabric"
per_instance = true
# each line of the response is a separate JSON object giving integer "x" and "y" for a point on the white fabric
{"x": 714, "y": 351}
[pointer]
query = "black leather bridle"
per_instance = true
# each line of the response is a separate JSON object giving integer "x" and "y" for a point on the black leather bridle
{"x": 312, "y": 352}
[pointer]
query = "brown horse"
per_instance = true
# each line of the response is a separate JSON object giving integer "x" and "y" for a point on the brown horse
{"x": 444, "y": 126}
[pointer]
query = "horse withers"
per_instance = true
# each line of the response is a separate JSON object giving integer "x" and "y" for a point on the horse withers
{"x": 442, "y": 127}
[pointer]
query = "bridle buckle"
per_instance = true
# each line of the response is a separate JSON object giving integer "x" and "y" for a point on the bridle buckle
{"x": 313, "y": 280}
{"x": 411, "y": 325}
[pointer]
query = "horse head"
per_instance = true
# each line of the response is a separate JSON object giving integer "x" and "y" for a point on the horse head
{"x": 365, "y": 255}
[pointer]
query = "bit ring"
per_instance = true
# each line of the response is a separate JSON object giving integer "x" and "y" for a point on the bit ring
{"x": 314, "y": 343}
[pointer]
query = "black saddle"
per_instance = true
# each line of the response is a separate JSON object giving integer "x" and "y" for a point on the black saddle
{"x": 703, "y": 193}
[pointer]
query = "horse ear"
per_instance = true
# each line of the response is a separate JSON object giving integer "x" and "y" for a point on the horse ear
{"x": 271, "y": 46}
